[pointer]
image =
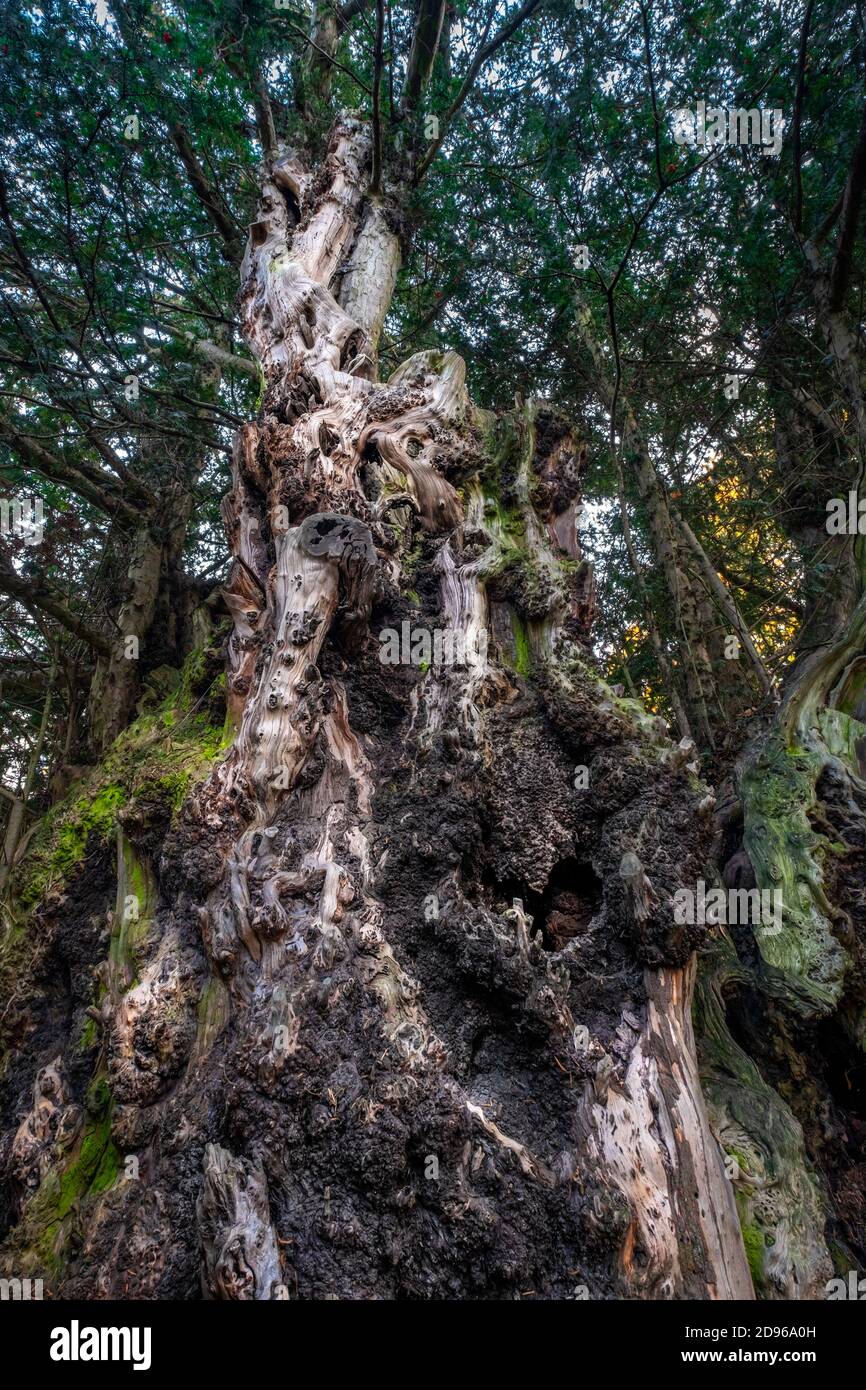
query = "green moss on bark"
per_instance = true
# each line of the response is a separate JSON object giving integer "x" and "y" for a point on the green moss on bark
{"x": 753, "y": 1243}
{"x": 782, "y": 1203}
{"x": 157, "y": 760}
{"x": 805, "y": 960}
{"x": 80, "y": 1177}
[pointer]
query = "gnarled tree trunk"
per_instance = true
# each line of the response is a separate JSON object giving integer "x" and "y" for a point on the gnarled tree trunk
{"x": 404, "y": 1012}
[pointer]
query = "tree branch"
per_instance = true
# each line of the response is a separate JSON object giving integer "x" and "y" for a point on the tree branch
{"x": 323, "y": 46}
{"x": 57, "y": 470}
{"x": 425, "y": 43}
{"x": 378, "y": 58}
{"x": 852, "y": 202}
{"x": 486, "y": 51}
{"x": 37, "y": 594}
{"x": 264, "y": 114}
{"x": 796, "y": 120}
{"x": 210, "y": 199}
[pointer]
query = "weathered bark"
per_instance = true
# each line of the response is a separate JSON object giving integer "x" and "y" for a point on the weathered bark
{"x": 403, "y": 1010}
{"x": 797, "y": 990}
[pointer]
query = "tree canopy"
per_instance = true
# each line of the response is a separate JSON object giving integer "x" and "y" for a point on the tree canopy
{"x": 131, "y": 138}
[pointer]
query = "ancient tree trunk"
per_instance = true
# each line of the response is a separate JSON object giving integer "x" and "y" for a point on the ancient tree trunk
{"x": 406, "y": 1013}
